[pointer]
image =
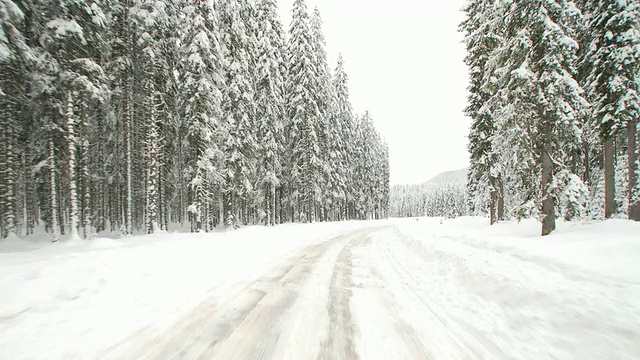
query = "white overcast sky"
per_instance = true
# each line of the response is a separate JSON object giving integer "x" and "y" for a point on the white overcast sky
{"x": 404, "y": 59}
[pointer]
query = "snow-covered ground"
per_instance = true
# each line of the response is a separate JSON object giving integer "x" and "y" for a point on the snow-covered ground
{"x": 396, "y": 289}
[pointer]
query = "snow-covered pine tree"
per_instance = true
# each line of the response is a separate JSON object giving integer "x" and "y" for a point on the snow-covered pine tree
{"x": 340, "y": 137}
{"x": 303, "y": 115}
{"x": 156, "y": 41}
{"x": 543, "y": 92}
{"x": 270, "y": 100}
{"x": 385, "y": 185}
{"x": 73, "y": 40}
{"x": 614, "y": 56}
{"x": 240, "y": 143}
{"x": 14, "y": 56}
{"x": 202, "y": 86}
{"x": 322, "y": 94}
{"x": 481, "y": 30}
{"x": 123, "y": 48}
{"x": 369, "y": 166}
{"x": 357, "y": 159}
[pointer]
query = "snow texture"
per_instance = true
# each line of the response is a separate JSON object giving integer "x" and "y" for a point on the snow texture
{"x": 411, "y": 288}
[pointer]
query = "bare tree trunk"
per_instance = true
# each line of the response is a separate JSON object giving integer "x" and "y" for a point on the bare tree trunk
{"x": 25, "y": 194}
{"x": 86, "y": 179}
{"x": 152, "y": 168}
{"x": 586, "y": 178}
{"x": 634, "y": 197}
{"x": 128, "y": 119}
{"x": 9, "y": 215}
{"x": 548, "y": 203}
{"x": 2, "y": 174}
{"x": 493, "y": 200}
{"x": 71, "y": 145}
{"x": 609, "y": 178}
{"x": 53, "y": 194}
{"x": 500, "y": 198}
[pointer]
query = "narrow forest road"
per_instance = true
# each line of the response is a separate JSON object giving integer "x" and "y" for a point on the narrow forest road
{"x": 381, "y": 293}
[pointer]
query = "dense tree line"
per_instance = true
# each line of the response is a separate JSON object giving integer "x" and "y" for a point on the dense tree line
{"x": 554, "y": 102}
{"x": 439, "y": 197}
{"x": 129, "y": 115}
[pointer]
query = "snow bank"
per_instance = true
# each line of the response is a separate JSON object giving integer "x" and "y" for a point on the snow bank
{"x": 516, "y": 295}
{"x": 78, "y": 300}
{"x": 609, "y": 248}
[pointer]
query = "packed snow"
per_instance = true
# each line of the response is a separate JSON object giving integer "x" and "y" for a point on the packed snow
{"x": 402, "y": 288}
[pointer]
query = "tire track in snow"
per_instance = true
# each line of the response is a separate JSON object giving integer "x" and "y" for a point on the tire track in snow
{"x": 212, "y": 321}
{"x": 468, "y": 341}
{"x": 384, "y": 312}
{"x": 253, "y": 320}
{"x": 340, "y": 334}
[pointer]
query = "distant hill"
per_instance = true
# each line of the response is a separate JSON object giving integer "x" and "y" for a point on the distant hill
{"x": 449, "y": 177}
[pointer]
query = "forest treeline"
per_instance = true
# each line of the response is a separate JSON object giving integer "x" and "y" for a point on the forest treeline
{"x": 554, "y": 102}
{"x": 123, "y": 115}
{"x": 445, "y": 195}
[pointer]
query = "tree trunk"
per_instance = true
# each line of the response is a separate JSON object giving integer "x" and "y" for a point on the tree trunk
{"x": 500, "y": 198}
{"x": 152, "y": 169}
{"x": 9, "y": 215}
{"x": 634, "y": 196}
{"x": 86, "y": 179}
{"x": 128, "y": 119}
{"x": 53, "y": 202}
{"x": 548, "y": 203}
{"x": 71, "y": 146}
{"x": 27, "y": 222}
{"x": 609, "y": 178}
{"x": 493, "y": 200}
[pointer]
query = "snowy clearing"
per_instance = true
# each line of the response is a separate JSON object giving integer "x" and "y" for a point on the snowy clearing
{"x": 403, "y": 289}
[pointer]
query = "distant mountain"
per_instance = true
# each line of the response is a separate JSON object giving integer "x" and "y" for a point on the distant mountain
{"x": 449, "y": 177}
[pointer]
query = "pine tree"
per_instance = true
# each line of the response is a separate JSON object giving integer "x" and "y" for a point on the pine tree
{"x": 201, "y": 102}
{"x": 482, "y": 39}
{"x": 613, "y": 85}
{"x": 16, "y": 57}
{"x": 240, "y": 144}
{"x": 340, "y": 137}
{"x": 122, "y": 64}
{"x": 322, "y": 98}
{"x": 73, "y": 40}
{"x": 541, "y": 89}
{"x": 270, "y": 70}
{"x": 157, "y": 41}
{"x": 303, "y": 117}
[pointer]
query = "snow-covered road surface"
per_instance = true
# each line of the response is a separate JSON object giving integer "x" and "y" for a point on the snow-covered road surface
{"x": 399, "y": 289}
{"x": 298, "y": 309}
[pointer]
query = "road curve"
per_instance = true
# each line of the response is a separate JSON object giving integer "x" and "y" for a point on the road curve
{"x": 299, "y": 309}
{"x": 381, "y": 293}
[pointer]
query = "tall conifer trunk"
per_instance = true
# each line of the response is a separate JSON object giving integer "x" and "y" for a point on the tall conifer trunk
{"x": 86, "y": 178}
{"x": 634, "y": 197}
{"x": 71, "y": 147}
{"x": 53, "y": 198}
{"x": 548, "y": 203}
{"x": 609, "y": 178}
{"x": 500, "y": 198}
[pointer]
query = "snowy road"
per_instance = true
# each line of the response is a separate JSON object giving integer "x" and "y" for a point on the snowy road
{"x": 398, "y": 289}
{"x": 388, "y": 292}
{"x": 299, "y": 309}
